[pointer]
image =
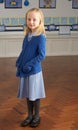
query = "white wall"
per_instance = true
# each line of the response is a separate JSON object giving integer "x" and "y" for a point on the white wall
{"x": 63, "y": 9}
{"x": 56, "y": 44}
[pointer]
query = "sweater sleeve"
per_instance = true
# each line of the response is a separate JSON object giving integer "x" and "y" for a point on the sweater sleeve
{"x": 41, "y": 53}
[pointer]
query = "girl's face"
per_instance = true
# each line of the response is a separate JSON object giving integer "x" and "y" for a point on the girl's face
{"x": 33, "y": 20}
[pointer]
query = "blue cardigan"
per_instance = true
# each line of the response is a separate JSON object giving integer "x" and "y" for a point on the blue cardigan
{"x": 33, "y": 52}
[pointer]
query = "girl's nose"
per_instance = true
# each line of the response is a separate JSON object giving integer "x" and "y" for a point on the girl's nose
{"x": 31, "y": 21}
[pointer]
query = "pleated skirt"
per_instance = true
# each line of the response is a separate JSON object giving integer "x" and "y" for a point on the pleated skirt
{"x": 32, "y": 87}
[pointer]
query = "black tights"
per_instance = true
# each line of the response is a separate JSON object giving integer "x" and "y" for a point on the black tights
{"x": 33, "y": 108}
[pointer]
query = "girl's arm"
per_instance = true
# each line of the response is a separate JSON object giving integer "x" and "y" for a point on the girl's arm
{"x": 41, "y": 54}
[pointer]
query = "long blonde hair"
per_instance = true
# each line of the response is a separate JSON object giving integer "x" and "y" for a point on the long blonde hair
{"x": 41, "y": 28}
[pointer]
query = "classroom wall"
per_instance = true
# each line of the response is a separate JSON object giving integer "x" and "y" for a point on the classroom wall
{"x": 63, "y": 9}
{"x": 63, "y": 13}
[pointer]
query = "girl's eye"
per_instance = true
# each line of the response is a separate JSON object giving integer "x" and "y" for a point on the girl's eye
{"x": 29, "y": 19}
{"x": 34, "y": 19}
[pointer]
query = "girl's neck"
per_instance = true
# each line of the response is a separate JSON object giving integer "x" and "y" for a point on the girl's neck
{"x": 32, "y": 33}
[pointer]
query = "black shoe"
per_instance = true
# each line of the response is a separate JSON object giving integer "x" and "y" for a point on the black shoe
{"x": 35, "y": 122}
{"x": 26, "y": 122}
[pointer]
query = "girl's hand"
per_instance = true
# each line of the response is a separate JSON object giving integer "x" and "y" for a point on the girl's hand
{"x": 26, "y": 69}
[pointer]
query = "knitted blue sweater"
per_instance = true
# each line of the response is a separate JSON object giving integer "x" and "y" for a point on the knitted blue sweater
{"x": 33, "y": 52}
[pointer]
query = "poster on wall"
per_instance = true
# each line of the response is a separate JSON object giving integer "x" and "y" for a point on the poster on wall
{"x": 47, "y": 3}
{"x": 1, "y": 1}
{"x": 75, "y": 4}
{"x": 13, "y": 3}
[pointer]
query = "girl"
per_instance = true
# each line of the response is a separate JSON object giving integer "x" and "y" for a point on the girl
{"x": 29, "y": 67}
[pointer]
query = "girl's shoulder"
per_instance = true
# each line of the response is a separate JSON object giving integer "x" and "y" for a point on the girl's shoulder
{"x": 41, "y": 36}
{"x": 25, "y": 36}
{"x": 41, "y": 39}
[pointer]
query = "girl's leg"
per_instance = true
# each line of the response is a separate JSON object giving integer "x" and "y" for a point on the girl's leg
{"x": 36, "y": 119}
{"x": 30, "y": 108}
{"x": 37, "y": 108}
{"x": 28, "y": 120}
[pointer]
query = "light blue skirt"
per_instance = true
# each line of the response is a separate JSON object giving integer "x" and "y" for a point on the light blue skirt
{"x": 32, "y": 87}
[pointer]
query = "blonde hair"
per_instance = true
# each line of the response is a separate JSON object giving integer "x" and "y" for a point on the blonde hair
{"x": 41, "y": 28}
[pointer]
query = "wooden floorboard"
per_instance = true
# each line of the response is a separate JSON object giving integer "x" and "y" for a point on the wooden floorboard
{"x": 59, "y": 110}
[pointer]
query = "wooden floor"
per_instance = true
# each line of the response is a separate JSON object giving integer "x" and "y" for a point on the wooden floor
{"x": 59, "y": 110}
